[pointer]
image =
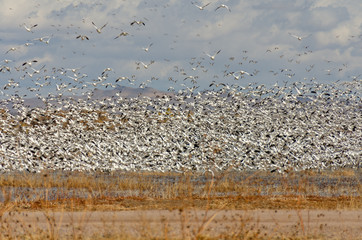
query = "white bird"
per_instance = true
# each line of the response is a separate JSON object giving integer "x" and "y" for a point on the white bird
{"x": 7, "y": 60}
{"x": 35, "y": 71}
{"x": 99, "y": 30}
{"x": 108, "y": 69}
{"x": 202, "y": 7}
{"x": 82, "y": 37}
{"x": 243, "y": 72}
{"x": 212, "y": 57}
{"x": 29, "y": 28}
{"x": 43, "y": 39}
{"x": 121, "y": 34}
{"x": 239, "y": 75}
{"x": 145, "y": 65}
{"x": 147, "y": 48}
{"x": 299, "y": 37}
{"x": 29, "y": 62}
{"x": 11, "y": 49}
{"x": 138, "y": 23}
{"x": 223, "y": 6}
{"x": 191, "y": 77}
{"x": 122, "y": 78}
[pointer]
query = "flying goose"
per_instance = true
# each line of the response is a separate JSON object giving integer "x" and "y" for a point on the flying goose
{"x": 223, "y": 6}
{"x": 299, "y": 37}
{"x": 212, "y": 57}
{"x": 99, "y": 30}
{"x": 202, "y": 7}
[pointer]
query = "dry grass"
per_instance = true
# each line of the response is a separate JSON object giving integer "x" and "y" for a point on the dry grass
{"x": 232, "y": 190}
{"x": 51, "y": 192}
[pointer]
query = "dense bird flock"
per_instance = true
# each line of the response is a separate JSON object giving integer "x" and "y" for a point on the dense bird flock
{"x": 291, "y": 127}
{"x": 231, "y": 125}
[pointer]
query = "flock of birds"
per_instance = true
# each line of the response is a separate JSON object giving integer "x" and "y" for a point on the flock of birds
{"x": 289, "y": 126}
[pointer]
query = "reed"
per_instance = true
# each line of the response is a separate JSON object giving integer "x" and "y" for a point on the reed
{"x": 57, "y": 194}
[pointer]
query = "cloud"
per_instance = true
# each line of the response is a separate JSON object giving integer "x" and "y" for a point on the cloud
{"x": 181, "y": 34}
{"x": 322, "y": 18}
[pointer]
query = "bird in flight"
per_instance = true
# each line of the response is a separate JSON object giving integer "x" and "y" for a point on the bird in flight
{"x": 44, "y": 39}
{"x": 138, "y": 23}
{"x": 121, "y": 34}
{"x": 244, "y": 72}
{"x": 82, "y": 37}
{"x": 30, "y": 62}
{"x": 223, "y": 6}
{"x": 11, "y": 49}
{"x": 29, "y": 28}
{"x": 202, "y": 7}
{"x": 144, "y": 65}
{"x": 299, "y": 37}
{"x": 99, "y": 30}
{"x": 212, "y": 57}
{"x": 147, "y": 48}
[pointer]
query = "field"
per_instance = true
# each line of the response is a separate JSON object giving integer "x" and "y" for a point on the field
{"x": 180, "y": 120}
{"x": 146, "y": 205}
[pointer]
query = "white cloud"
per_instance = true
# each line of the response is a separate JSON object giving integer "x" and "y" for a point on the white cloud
{"x": 180, "y": 32}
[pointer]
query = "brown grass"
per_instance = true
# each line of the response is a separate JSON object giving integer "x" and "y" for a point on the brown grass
{"x": 51, "y": 192}
{"x": 125, "y": 190}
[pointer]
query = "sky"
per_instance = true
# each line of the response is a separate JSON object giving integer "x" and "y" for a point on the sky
{"x": 259, "y": 37}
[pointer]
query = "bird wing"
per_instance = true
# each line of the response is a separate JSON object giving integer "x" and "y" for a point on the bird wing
{"x": 104, "y": 26}
{"x": 206, "y": 5}
{"x": 94, "y": 25}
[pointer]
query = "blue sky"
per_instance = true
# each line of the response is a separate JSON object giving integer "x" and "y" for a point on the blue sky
{"x": 256, "y": 36}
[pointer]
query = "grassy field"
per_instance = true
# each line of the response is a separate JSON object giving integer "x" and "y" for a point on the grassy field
{"x": 53, "y": 192}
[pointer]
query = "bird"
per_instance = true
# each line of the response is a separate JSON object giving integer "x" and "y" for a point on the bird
{"x": 82, "y": 37}
{"x": 44, "y": 39}
{"x": 99, "y": 30}
{"x": 106, "y": 70}
{"x": 10, "y": 49}
{"x": 223, "y": 6}
{"x": 191, "y": 77}
{"x": 202, "y": 7}
{"x": 29, "y": 28}
{"x": 145, "y": 65}
{"x": 7, "y": 60}
{"x": 121, "y": 78}
{"x": 212, "y": 57}
{"x": 299, "y": 37}
{"x": 30, "y": 62}
{"x": 138, "y": 23}
{"x": 5, "y": 68}
{"x": 147, "y": 48}
{"x": 243, "y": 72}
{"x": 122, "y": 34}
